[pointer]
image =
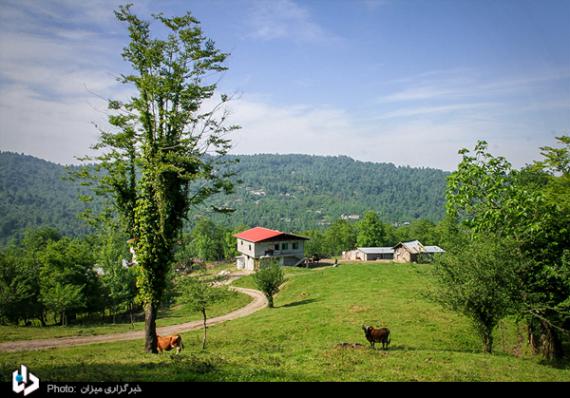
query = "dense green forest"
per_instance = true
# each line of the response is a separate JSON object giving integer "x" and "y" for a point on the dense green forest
{"x": 35, "y": 192}
{"x": 286, "y": 192}
{"x": 299, "y": 192}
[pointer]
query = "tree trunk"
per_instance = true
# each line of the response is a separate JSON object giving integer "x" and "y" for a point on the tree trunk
{"x": 131, "y": 314}
{"x": 550, "y": 343}
{"x": 533, "y": 337}
{"x": 150, "y": 311}
{"x": 270, "y": 301}
{"x": 488, "y": 343}
{"x": 205, "y": 328}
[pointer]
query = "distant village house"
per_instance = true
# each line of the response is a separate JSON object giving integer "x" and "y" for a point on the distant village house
{"x": 410, "y": 252}
{"x": 258, "y": 244}
{"x": 351, "y": 217}
{"x": 403, "y": 252}
{"x": 369, "y": 254}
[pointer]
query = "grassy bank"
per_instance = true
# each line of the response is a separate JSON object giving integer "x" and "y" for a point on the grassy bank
{"x": 299, "y": 339}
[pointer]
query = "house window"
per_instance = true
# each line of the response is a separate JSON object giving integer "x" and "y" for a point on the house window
{"x": 241, "y": 242}
{"x": 277, "y": 246}
{"x": 295, "y": 245}
{"x": 285, "y": 246}
{"x": 249, "y": 247}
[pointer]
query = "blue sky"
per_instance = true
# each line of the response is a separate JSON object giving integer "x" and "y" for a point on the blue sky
{"x": 408, "y": 82}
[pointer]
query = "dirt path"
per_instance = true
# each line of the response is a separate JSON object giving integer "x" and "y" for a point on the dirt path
{"x": 258, "y": 303}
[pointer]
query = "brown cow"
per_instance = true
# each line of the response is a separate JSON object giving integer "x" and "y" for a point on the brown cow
{"x": 167, "y": 343}
{"x": 374, "y": 335}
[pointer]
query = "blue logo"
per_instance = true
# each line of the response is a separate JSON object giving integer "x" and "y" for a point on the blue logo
{"x": 20, "y": 379}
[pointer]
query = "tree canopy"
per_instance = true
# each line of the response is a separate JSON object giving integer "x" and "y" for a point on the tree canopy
{"x": 154, "y": 158}
{"x": 529, "y": 206}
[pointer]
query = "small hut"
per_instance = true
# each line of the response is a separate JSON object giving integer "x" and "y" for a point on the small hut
{"x": 414, "y": 251}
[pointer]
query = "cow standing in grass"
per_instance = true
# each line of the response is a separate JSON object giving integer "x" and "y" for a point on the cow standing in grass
{"x": 168, "y": 343}
{"x": 373, "y": 335}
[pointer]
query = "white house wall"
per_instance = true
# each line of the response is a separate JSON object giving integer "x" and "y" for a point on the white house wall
{"x": 262, "y": 247}
{"x": 245, "y": 247}
{"x": 257, "y": 250}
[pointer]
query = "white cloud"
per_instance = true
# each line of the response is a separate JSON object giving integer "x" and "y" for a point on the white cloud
{"x": 462, "y": 83}
{"x": 428, "y": 140}
{"x": 54, "y": 76}
{"x": 53, "y": 130}
{"x": 434, "y": 110}
{"x": 50, "y": 80}
{"x": 285, "y": 19}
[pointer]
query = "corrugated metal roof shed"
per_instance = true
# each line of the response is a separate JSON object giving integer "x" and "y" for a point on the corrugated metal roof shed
{"x": 414, "y": 246}
{"x": 433, "y": 249}
{"x": 376, "y": 250}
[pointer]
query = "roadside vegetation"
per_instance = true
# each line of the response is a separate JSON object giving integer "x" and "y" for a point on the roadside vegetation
{"x": 177, "y": 313}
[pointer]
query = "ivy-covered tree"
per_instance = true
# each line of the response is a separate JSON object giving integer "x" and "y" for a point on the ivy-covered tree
{"x": 154, "y": 158}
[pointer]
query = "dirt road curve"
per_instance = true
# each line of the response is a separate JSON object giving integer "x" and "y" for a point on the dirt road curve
{"x": 258, "y": 303}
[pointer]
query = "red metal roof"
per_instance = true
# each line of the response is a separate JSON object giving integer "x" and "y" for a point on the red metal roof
{"x": 258, "y": 234}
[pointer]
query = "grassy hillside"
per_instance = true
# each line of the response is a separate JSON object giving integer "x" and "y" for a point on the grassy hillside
{"x": 287, "y": 192}
{"x": 316, "y": 310}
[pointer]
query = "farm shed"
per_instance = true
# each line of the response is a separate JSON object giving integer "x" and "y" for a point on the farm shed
{"x": 369, "y": 254}
{"x": 411, "y": 252}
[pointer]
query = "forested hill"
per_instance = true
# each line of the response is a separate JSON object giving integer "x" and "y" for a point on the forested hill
{"x": 299, "y": 192}
{"x": 33, "y": 192}
{"x": 288, "y": 192}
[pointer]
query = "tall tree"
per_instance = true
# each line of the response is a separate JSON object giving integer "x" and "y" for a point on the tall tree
{"x": 158, "y": 159}
{"x": 68, "y": 283}
{"x": 490, "y": 197}
{"x": 340, "y": 236}
{"x": 207, "y": 240}
{"x": 371, "y": 231}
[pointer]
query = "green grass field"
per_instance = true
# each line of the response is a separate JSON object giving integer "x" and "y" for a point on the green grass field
{"x": 297, "y": 341}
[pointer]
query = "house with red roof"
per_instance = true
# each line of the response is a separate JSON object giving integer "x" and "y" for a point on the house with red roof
{"x": 258, "y": 244}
